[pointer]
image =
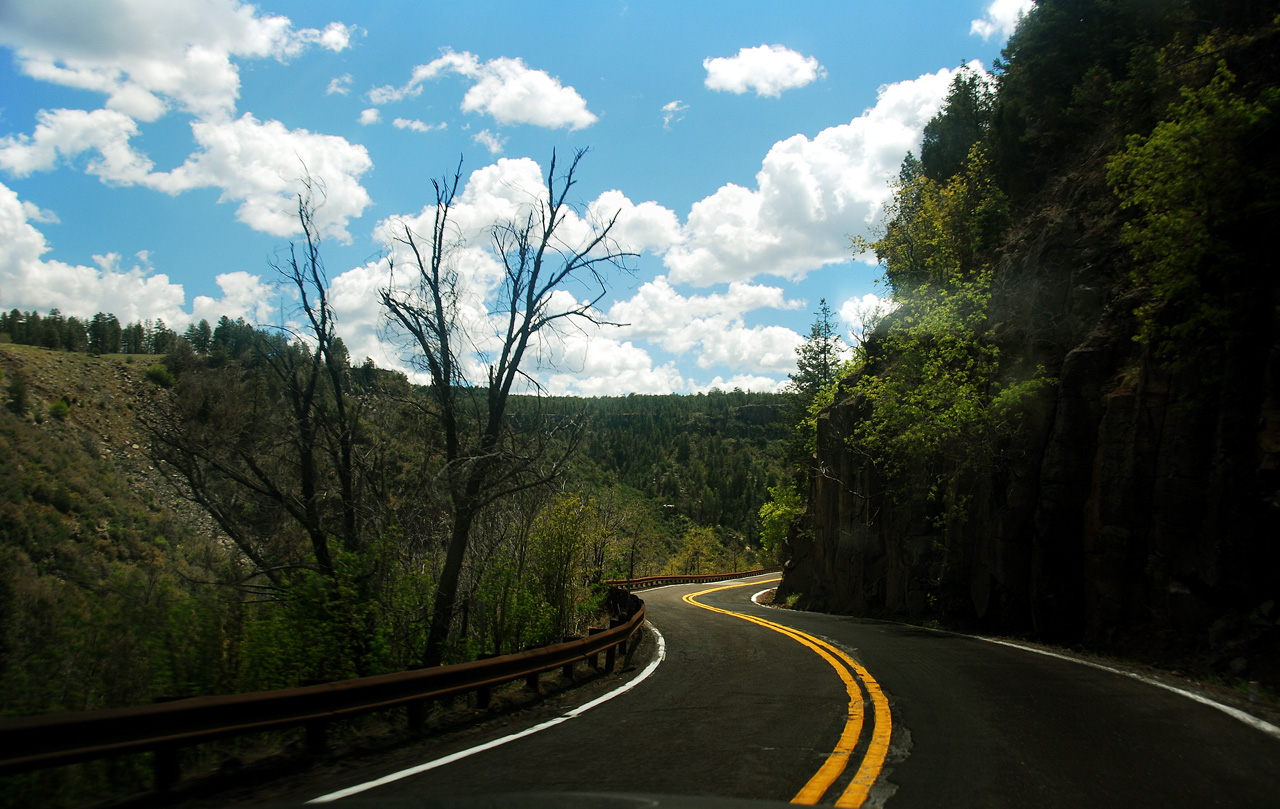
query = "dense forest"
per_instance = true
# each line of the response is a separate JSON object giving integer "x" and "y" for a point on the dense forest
{"x": 1068, "y": 426}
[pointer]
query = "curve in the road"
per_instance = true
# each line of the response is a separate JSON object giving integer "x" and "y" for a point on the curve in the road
{"x": 480, "y": 748}
{"x": 857, "y": 680}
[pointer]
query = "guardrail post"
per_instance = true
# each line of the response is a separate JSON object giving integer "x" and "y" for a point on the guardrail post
{"x": 167, "y": 767}
{"x": 484, "y": 695}
{"x": 611, "y": 654}
{"x": 416, "y": 714}
{"x": 593, "y": 659}
{"x": 317, "y": 739}
{"x": 567, "y": 671}
{"x": 531, "y": 682}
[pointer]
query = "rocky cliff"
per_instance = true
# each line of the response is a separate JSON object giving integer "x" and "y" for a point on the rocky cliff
{"x": 1135, "y": 508}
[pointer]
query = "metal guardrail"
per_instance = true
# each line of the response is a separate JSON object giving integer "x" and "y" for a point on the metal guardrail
{"x": 35, "y": 742}
{"x": 658, "y": 581}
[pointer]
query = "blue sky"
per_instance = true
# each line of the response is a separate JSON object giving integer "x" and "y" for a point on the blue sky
{"x": 150, "y": 149}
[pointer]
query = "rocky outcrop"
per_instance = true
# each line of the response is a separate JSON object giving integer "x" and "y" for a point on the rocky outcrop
{"x": 1135, "y": 508}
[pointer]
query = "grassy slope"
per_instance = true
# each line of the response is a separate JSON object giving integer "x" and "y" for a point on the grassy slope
{"x": 94, "y": 547}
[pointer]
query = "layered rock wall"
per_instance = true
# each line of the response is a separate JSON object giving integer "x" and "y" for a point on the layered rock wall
{"x": 1134, "y": 507}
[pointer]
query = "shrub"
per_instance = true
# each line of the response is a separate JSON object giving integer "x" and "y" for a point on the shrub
{"x": 60, "y": 410}
{"x": 160, "y": 375}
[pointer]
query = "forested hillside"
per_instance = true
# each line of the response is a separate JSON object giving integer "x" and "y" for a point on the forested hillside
{"x": 708, "y": 458}
{"x": 1071, "y": 423}
{"x": 152, "y": 542}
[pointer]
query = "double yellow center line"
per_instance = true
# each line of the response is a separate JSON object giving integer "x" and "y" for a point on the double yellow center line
{"x": 855, "y": 794}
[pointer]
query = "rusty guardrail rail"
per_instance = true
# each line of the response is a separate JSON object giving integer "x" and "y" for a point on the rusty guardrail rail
{"x": 49, "y": 740}
{"x": 657, "y": 581}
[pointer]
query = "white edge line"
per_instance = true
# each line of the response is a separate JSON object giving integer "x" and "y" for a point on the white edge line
{"x": 1247, "y": 718}
{"x": 762, "y": 592}
{"x": 449, "y": 759}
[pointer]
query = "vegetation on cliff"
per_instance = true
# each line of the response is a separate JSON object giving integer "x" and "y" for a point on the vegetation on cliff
{"x": 1068, "y": 424}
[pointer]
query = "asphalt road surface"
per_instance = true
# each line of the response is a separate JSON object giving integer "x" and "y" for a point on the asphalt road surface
{"x": 849, "y": 711}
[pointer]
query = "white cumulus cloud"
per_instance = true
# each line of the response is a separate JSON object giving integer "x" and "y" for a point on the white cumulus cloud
{"x": 148, "y": 54}
{"x": 490, "y": 141}
{"x": 768, "y": 70}
{"x": 1001, "y": 18}
{"x": 35, "y": 213}
{"x": 335, "y": 37}
{"x": 647, "y": 226}
{"x": 261, "y": 164}
{"x": 414, "y": 125}
{"x": 506, "y": 89}
{"x": 810, "y": 194}
{"x": 339, "y": 85}
{"x": 673, "y": 112}
{"x": 600, "y": 365}
{"x": 136, "y": 293}
{"x": 258, "y": 164}
{"x": 64, "y": 135}
{"x": 711, "y": 327}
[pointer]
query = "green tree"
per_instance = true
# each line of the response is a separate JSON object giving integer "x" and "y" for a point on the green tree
{"x": 199, "y": 335}
{"x": 1199, "y": 188}
{"x": 776, "y": 516}
{"x": 104, "y": 334}
{"x": 700, "y": 552}
{"x": 75, "y": 337}
{"x": 940, "y": 230}
{"x": 161, "y": 338}
{"x": 19, "y": 398}
{"x": 934, "y": 408}
{"x": 32, "y": 329}
{"x": 52, "y": 327}
{"x": 818, "y": 358}
{"x": 133, "y": 339}
{"x": 562, "y": 535}
{"x": 963, "y": 121}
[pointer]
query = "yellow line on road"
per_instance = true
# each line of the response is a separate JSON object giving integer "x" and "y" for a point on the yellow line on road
{"x": 855, "y": 794}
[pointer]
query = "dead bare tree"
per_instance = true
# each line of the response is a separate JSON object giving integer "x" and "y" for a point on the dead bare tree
{"x": 272, "y": 441}
{"x": 484, "y": 459}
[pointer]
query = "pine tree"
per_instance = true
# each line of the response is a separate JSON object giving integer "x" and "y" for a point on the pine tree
{"x": 818, "y": 359}
{"x": 18, "y": 397}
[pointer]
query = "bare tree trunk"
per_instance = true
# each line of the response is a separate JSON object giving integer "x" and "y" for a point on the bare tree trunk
{"x": 447, "y": 589}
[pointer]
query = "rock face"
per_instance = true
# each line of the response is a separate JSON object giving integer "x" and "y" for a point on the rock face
{"x": 1135, "y": 508}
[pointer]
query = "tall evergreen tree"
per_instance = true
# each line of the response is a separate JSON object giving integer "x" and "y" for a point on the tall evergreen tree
{"x": 819, "y": 358}
{"x": 133, "y": 339}
{"x": 162, "y": 338}
{"x": 963, "y": 121}
{"x": 199, "y": 335}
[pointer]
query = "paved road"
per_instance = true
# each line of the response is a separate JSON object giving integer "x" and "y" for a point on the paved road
{"x": 742, "y": 710}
